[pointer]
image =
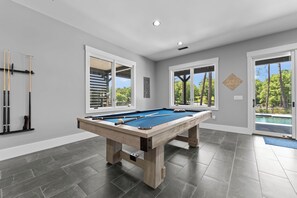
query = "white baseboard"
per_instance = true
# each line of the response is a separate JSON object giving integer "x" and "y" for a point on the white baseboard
{"x": 42, "y": 145}
{"x": 226, "y": 128}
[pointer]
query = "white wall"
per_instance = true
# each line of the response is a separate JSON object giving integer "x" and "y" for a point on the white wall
{"x": 232, "y": 59}
{"x": 58, "y": 96}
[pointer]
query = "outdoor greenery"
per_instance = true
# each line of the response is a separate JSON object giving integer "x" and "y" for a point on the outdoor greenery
{"x": 123, "y": 96}
{"x": 273, "y": 95}
{"x": 178, "y": 92}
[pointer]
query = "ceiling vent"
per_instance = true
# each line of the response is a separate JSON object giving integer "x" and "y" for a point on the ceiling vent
{"x": 183, "y": 48}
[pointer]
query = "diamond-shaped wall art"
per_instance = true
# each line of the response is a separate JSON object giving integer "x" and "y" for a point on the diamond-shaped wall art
{"x": 232, "y": 82}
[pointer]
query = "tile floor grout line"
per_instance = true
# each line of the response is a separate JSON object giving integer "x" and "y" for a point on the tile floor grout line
{"x": 69, "y": 187}
{"x": 41, "y": 191}
{"x": 258, "y": 171}
{"x": 284, "y": 171}
{"x": 112, "y": 181}
{"x": 81, "y": 190}
{"x": 229, "y": 183}
{"x": 120, "y": 187}
{"x": 32, "y": 172}
{"x": 79, "y": 161}
{"x": 207, "y": 166}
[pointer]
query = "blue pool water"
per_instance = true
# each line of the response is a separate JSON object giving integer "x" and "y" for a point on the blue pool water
{"x": 274, "y": 119}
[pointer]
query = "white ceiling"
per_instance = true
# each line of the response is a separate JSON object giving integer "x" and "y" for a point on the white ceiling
{"x": 199, "y": 24}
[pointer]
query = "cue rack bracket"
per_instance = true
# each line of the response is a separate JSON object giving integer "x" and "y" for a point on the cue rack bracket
{"x": 27, "y": 126}
{"x": 12, "y": 70}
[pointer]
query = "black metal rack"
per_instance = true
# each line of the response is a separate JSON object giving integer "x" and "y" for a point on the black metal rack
{"x": 16, "y": 131}
{"x": 12, "y": 70}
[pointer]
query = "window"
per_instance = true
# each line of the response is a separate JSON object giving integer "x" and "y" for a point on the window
{"x": 100, "y": 83}
{"x": 194, "y": 85}
{"x": 123, "y": 85}
{"x": 182, "y": 87}
{"x": 109, "y": 82}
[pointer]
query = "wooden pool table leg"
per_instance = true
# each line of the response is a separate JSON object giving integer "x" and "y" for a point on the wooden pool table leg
{"x": 113, "y": 149}
{"x": 154, "y": 169}
{"x": 193, "y": 139}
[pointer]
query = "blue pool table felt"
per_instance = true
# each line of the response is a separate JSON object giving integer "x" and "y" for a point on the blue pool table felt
{"x": 148, "y": 122}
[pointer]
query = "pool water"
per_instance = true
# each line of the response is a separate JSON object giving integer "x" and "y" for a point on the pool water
{"x": 274, "y": 119}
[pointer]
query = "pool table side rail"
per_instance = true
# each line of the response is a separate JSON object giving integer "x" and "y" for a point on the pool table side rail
{"x": 116, "y": 135}
{"x": 135, "y": 137}
{"x": 131, "y": 130}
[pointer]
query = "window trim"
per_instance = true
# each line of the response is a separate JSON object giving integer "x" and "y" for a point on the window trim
{"x": 191, "y": 66}
{"x": 93, "y": 52}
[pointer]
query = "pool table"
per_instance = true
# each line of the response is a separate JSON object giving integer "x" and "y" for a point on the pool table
{"x": 147, "y": 131}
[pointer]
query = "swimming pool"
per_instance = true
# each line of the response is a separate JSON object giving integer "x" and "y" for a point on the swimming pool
{"x": 274, "y": 119}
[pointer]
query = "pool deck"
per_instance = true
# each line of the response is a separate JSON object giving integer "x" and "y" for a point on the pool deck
{"x": 264, "y": 125}
{"x": 277, "y": 128}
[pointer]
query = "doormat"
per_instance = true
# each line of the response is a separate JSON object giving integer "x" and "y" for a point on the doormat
{"x": 281, "y": 142}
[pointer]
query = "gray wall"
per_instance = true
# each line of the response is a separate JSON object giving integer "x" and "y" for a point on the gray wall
{"x": 58, "y": 96}
{"x": 232, "y": 59}
{"x": 59, "y": 86}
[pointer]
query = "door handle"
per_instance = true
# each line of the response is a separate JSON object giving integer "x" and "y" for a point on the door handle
{"x": 293, "y": 104}
{"x": 253, "y": 102}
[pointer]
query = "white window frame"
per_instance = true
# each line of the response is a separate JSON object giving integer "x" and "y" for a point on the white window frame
{"x": 93, "y": 52}
{"x": 191, "y": 66}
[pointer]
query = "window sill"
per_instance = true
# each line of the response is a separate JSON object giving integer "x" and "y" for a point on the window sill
{"x": 191, "y": 107}
{"x": 110, "y": 109}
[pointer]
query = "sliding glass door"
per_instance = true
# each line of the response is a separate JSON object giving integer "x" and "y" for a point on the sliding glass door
{"x": 273, "y": 100}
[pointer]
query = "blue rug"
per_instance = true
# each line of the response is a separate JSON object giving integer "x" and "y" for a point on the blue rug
{"x": 281, "y": 142}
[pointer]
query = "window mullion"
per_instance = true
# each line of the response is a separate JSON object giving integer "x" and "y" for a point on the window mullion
{"x": 113, "y": 74}
{"x": 133, "y": 89}
{"x": 192, "y": 86}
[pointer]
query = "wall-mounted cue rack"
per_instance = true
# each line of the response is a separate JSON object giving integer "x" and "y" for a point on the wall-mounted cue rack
{"x": 8, "y": 70}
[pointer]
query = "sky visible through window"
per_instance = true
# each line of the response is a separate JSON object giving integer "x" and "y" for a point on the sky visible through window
{"x": 261, "y": 70}
{"x": 123, "y": 82}
{"x": 198, "y": 77}
{"x": 261, "y": 74}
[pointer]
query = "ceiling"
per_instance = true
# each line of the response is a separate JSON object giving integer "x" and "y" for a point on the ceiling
{"x": 199, "y": 24}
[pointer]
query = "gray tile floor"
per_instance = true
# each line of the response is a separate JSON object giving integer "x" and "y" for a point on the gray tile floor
{"x": 226, "y": 165}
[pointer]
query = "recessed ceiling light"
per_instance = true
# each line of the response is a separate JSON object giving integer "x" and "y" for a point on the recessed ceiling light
{"x": 179, "y": 43}
{"x": 156, "y": 23}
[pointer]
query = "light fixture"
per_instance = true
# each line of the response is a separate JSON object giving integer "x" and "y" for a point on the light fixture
{"x": 156, "y": 23}
{"x": 179, "y": 43}
{"x": 183, "y": 48}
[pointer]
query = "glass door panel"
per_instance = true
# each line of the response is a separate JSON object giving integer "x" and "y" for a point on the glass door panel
{"x": 273, "y": 96}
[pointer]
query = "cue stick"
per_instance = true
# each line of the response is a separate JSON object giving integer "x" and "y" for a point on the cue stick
{"x": 120, "y": 117}
{"x": 8, "y": 91}
{"x": 30, "y": 89}
{"x": 136, "y": 118}
{"x": 4, "y": 92}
